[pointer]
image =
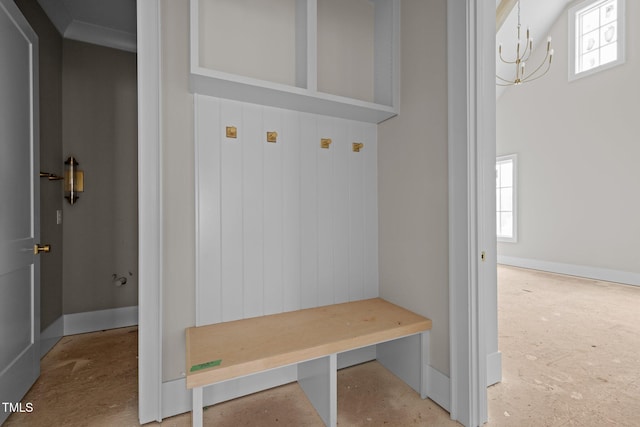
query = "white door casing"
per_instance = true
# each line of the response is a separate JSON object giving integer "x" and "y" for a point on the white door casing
{"x": 472, "y": 283}
{"x": 467, "y": 389}
{"x": 149, "y": 212}
{"x": 19, "y": 210}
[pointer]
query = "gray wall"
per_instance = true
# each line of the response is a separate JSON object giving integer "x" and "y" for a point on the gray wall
{"x": 578, "y": 151}
{"x": 99, "y": 108}
{"x": 50, "y": 57}
{"x": 413, "y": 184}
{"x": 98, "y": 236}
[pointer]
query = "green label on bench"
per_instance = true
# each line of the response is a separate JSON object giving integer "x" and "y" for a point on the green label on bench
{"x": 206, "y": 365}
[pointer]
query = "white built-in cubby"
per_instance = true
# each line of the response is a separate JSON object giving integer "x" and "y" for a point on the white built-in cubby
{"x": 331, "y": 57}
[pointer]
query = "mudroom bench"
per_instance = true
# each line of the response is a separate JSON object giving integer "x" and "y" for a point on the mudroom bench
{"x": 311, "y": 339}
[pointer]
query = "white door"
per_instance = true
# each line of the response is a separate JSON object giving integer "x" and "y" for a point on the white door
{"x": 19, "y": 209}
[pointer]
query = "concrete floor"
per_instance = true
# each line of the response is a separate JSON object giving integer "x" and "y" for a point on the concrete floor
{"x": 571, "y": 351}
{"x": 571, "y": 357}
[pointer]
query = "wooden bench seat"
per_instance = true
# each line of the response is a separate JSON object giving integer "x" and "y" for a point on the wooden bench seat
{"x": 310, "y": 338}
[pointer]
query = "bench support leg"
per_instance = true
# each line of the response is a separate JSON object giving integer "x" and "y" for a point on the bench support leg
{"x": 408, "y": 359}
{"x": 319, "y": 380}
{"x": 424, "y": 351}
{"x": 196, "y": 412}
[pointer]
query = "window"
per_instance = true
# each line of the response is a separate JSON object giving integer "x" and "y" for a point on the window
{"x": 596, "y": 36}
{"x": 506, "y": 198}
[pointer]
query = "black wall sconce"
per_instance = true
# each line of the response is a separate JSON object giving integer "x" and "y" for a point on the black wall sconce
{"x": 73, "y": 180}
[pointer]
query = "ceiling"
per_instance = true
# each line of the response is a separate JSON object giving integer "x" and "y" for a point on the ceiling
{"x": 110, "y": 23}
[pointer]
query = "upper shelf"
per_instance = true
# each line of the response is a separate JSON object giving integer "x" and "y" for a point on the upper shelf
{"x": 331, "y": 57}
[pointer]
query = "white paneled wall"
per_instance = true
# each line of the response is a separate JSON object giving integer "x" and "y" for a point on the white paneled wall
{"x": 286, "y": 225}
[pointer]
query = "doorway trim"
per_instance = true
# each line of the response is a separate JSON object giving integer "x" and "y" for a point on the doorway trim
{"x": 149, "y": 212}
{"x": 471, "y": 41}
{"x": 470, "y": 31}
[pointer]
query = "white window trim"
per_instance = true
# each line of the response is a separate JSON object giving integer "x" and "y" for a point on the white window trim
{"x": 514, "y": 159}
{"x": 572, "y": 53}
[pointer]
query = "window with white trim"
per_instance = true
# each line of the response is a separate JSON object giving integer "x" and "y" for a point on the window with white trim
{"x": 506, "y": 198}
{"x": 596, "y": 36}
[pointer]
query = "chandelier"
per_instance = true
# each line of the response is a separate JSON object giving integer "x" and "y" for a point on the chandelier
{"x": 523, "y": 52}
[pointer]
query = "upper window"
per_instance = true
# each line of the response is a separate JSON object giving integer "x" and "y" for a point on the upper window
{"x": 506, "y": 198}
{"x": 596, "y": 36}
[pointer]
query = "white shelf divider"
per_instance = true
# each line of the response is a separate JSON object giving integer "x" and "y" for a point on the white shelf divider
{"x": 304, "y": 96}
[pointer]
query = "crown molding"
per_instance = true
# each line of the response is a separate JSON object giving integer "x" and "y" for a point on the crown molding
{"x": 86, "y": 32}
{"x": 103, "y": 36}
{"x": 57, "y": 13}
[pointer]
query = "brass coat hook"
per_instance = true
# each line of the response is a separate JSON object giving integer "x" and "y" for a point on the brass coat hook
{"x": 232, "y": 132}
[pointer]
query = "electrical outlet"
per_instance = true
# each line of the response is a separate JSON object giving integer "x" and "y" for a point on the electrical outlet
{"x": 59, "y": 216}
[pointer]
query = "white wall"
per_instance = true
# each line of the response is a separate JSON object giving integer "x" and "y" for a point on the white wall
{"x": 346, "y": 48}
{"x": 231, "y": 28}
{"x": 412, "y": 168}
{"x": 267, "y": 29}
{"x": 178, "y": 212}
{"x": 578, "y": 151}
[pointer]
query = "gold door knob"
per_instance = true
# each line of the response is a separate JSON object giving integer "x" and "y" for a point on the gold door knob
{"x": 41, "y": 248}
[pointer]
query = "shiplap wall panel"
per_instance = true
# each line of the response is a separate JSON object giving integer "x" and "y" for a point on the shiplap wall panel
{"x": 291, "y": 271}
{"x": 252, "y": 210}
{"x": 356, "y": 211}
{"x": 207, "y": 127}
{"x": 326, "y": 210}
{"x": 309, "y": 147}
{"x": 232, "y": 209}
{"x": 273, "y": 211}
{"x": 340, "y": 195}
{"x": 285, "y": 225}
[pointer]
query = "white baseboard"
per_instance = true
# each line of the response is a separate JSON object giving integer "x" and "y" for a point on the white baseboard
{"x": 605, "y": 274}
{"x": 439, "y": 386}
{"x": 494, "y": 368}
{"x": 176, "y": 399}
{"x": 50, "y": 336}
{"x": 92, "y": 321}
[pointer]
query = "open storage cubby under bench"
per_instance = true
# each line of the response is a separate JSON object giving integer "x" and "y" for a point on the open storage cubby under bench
{"x": 310, "y": 338}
